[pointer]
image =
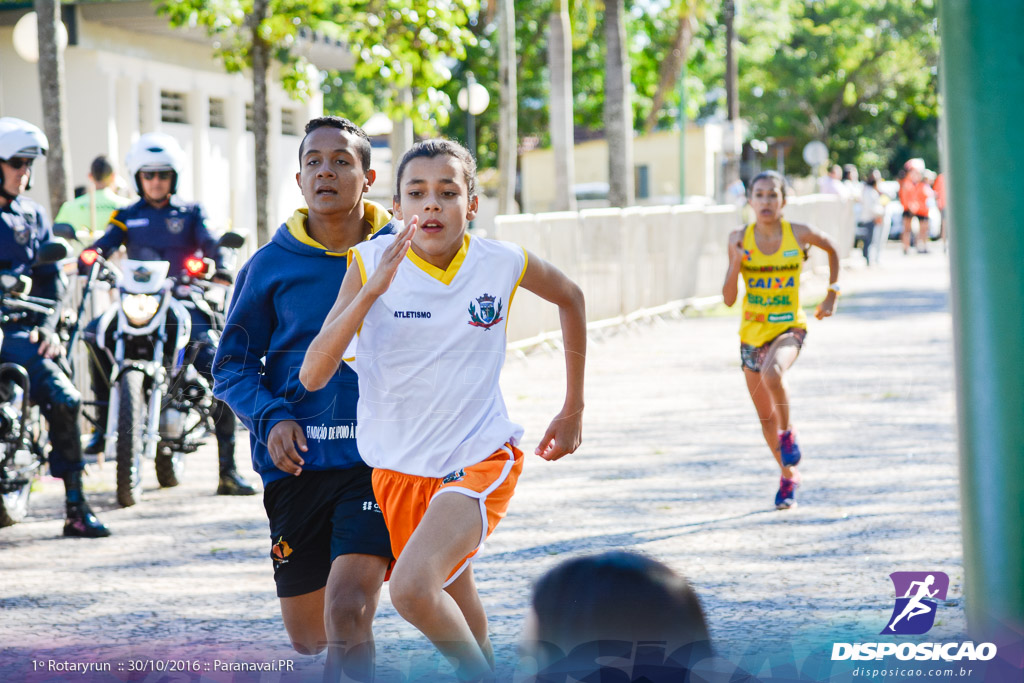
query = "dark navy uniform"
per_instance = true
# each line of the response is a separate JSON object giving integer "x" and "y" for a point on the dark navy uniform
{"x": 23, "y": 227}
{"x": 170, "y": 233}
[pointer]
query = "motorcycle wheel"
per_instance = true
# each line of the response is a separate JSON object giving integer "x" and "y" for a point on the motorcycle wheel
{"x": 131, "y": 428}
{"x": 14, "y": 505}
{"x": 169, "y": 468}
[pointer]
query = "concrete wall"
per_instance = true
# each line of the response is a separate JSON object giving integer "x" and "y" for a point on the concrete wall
{"x": 626, "y": 260}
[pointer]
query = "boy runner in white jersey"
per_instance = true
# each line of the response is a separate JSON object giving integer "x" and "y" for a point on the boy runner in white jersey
{"x": 431, "y": 417}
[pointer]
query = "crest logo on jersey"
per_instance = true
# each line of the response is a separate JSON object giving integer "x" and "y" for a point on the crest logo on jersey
{"x": 175, "y": 225}
{"x": 489, "y": 313}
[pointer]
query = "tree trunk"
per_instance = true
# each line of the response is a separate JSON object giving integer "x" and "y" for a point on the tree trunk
{"x": 618, "y": 108}
{"x": 668, "y": 73}
{"x": 260, "y": 66}
{"x": 402, "y": 136}
{"x": 508, "y": 135}
{"x": 51, "y": 86}
{"x": 731, "y": 146}
{"x": 560, "y": 66}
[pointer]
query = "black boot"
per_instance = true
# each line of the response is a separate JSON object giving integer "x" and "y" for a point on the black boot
{"x": 81, "y": 521}
{"x": 231, "y": 483}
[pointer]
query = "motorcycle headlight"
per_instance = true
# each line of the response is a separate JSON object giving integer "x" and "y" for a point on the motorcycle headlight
{"x": 140, "y": 308}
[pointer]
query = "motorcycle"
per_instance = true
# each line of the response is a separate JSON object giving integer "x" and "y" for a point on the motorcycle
{"x": 23, "y": 434}
{"x": 159, "y": 404}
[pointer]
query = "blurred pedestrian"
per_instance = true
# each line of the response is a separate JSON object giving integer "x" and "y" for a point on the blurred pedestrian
{"x": 939, "y": 187}
{"x": 832, "y": 183}
{"x": 914, "y": 195}
{"x": 89, "y": 213}
{"x": 872, "y": 212}
{"x": 851, "y": 180}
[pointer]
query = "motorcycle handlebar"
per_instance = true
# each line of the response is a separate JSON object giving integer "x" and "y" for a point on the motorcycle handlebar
{"x": 30, "y": 304}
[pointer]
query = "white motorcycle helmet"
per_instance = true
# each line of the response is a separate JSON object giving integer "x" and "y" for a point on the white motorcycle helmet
{"x": 20, "y": 139}
{"x": 154, "y": 152}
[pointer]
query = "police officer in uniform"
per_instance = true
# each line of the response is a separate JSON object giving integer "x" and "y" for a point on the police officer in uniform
{"x": 162, "y": 227}
{"x": 31, "y": 341}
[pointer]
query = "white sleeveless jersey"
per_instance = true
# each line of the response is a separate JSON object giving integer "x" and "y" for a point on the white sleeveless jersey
{"x": 429, "y": 359}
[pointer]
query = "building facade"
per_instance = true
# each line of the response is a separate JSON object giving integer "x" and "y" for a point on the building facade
{"x": 128, "y": 72}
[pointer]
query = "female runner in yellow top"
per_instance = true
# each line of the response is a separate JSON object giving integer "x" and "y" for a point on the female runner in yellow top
{"x": 769, "y": 254}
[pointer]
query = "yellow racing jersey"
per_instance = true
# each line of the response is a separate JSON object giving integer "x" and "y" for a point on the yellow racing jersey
{"x": 772, "y": 282}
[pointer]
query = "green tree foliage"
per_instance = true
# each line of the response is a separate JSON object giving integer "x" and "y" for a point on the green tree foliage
{"x": 395, "y": 43}
{"x": 349, "y": 95}
{"x": 859, "y": 76}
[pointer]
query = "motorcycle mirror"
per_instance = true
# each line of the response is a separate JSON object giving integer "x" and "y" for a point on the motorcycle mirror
{"x": 51, "y": 252}
{"x": 8, "y": 281}
{"x": 64, "y": 230}
{"x": 232, "y": 240}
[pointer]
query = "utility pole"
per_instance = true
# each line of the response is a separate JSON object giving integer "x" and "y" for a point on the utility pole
{"x": 980, "y": 46}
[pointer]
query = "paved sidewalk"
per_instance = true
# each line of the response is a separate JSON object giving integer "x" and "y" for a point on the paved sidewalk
{"x": 673, "y": 465}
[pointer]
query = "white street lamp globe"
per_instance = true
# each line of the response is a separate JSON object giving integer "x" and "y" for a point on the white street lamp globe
{"x": 26, "y": 38}
{"x": 815, "y": 153}
{"x": 474, "y": 99}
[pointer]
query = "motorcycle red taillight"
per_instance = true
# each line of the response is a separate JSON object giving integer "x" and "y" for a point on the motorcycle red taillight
{"x": 89, "y": 256}
{"x": 195, "y": 266}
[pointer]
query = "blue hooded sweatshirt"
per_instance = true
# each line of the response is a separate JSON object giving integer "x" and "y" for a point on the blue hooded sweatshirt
{"x": 282, "y": 296}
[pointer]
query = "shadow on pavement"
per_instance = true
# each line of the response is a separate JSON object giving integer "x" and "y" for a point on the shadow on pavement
{"x": 896, "y": 303}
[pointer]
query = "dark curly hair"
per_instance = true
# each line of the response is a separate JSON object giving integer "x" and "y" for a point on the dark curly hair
{"x": 362, "y": 139}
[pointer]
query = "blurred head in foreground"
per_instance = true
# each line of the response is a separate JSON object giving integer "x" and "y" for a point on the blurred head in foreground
{"x": 612, "y": 605}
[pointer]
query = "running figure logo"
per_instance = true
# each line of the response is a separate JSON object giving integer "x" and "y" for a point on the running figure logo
{"x": 916, "y": 597}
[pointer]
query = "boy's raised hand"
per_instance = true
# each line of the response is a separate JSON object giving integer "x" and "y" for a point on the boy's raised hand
{"x": 562, "y": 437}
{"x": 383, "y": 276}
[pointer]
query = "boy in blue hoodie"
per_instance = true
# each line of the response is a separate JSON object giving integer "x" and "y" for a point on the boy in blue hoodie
{"x": 330, "y": 545}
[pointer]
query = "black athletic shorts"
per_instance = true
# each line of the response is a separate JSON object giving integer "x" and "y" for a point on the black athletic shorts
{"x": 317, "y": 516}
{"x": 753, "y": 357}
